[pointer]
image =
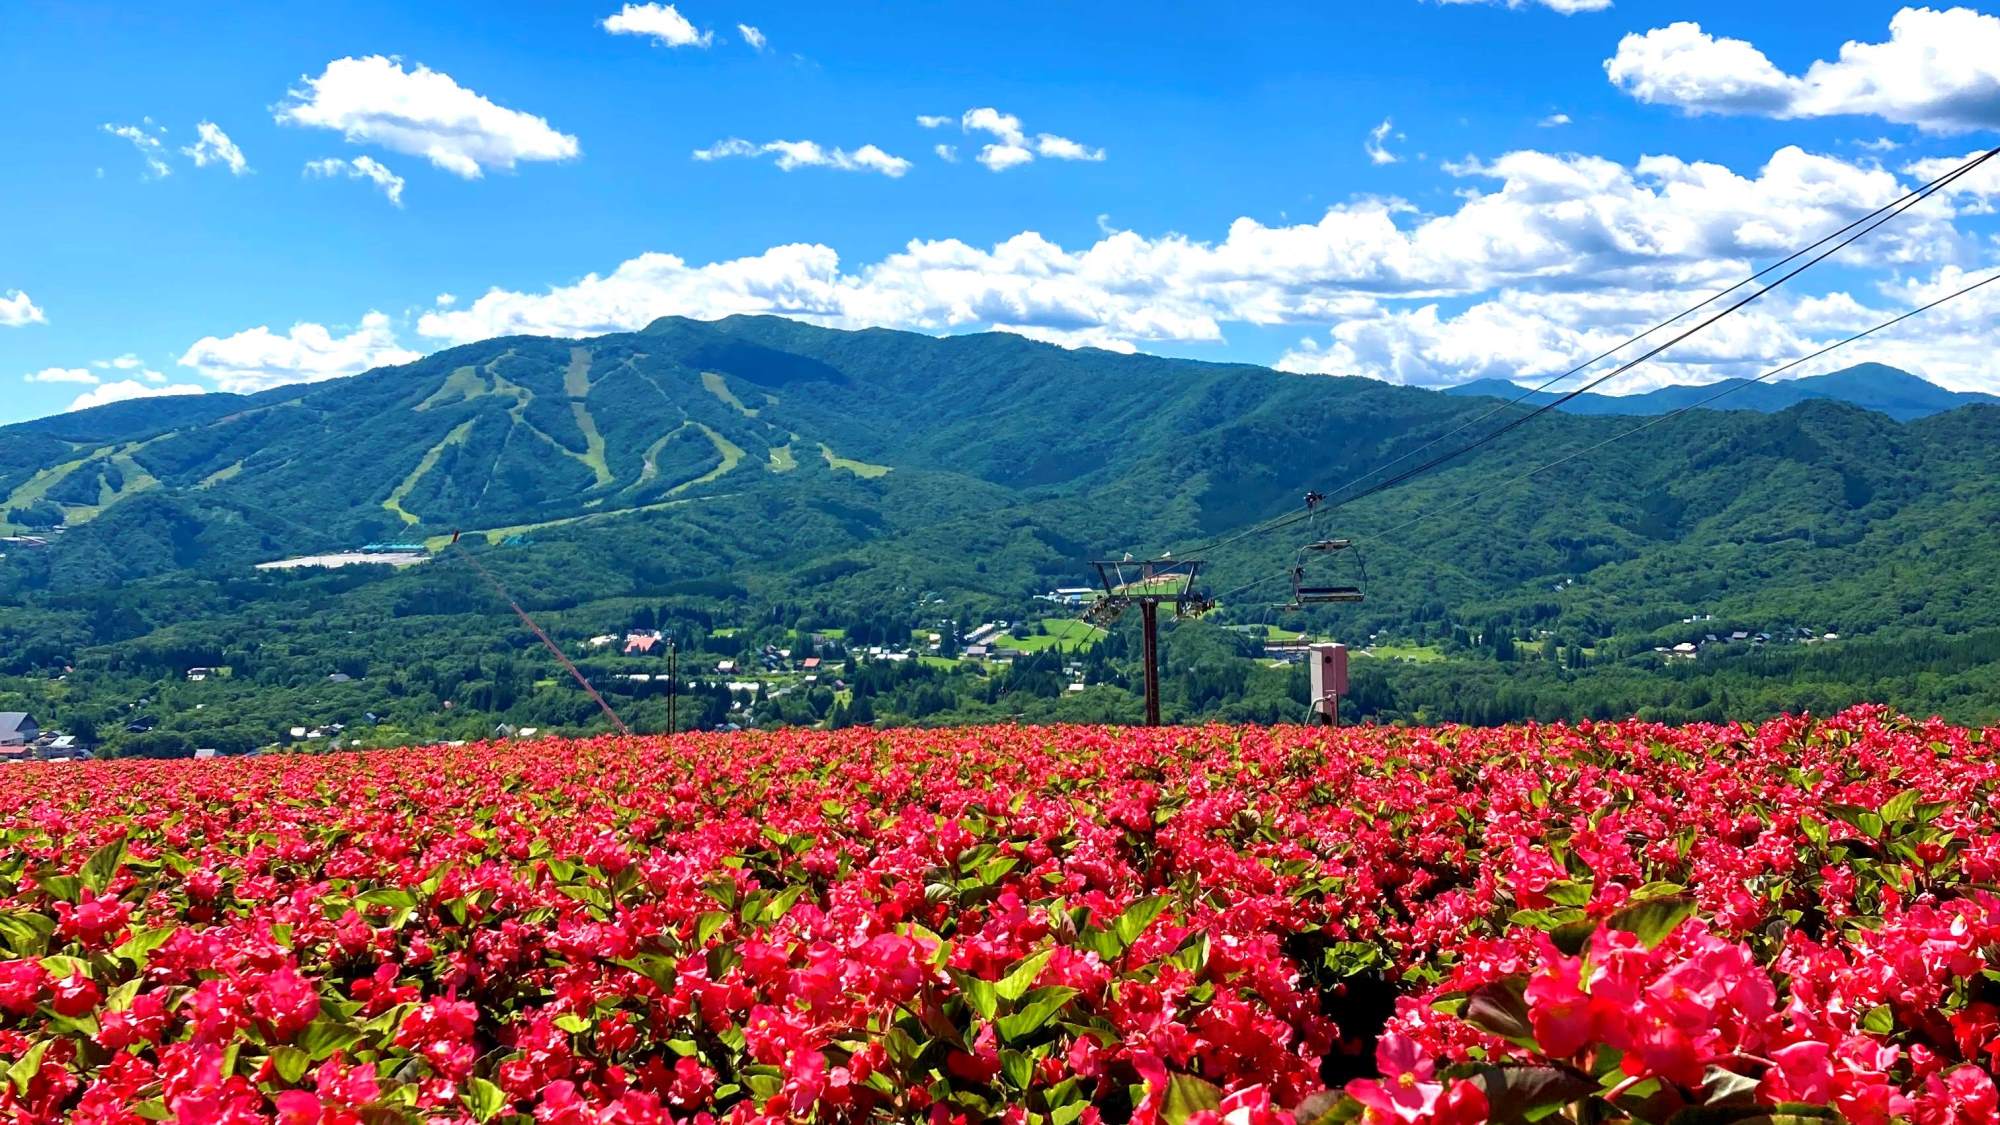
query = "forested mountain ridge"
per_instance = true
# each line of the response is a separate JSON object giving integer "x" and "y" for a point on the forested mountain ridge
{"x": 952, "y": 441}
{"x": 524, "y": 430}
{"x": 757, "y": 473}
{"x": 1870, "y": 386}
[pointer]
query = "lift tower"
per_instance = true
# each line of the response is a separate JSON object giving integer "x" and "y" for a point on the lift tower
{"x": 1148, "y": 583}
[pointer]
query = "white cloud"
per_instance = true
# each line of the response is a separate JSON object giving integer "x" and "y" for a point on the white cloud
{"x": 1532, "y": 222}
{"x": 1976, "y": 192}
{"x": 1566, "y": 7}
{"x": 1071, "y": 337}
{"x": 213, "y": 146}
{"x": 1062, "y": 148}
{"x": 946, "y": 153}
{"x": 1524, "y": 335}
{"x": 360, "y": 168}
{"x": 61, "y": 375}
{"x": 445, "y": 300}
{"x": 146, "y": 138}
{"x": 751, "y": 36}
{"x": 17, "y": 310}
{"x": 1530, "y": 337}
{"x": 129, "y": 363}
{"x": 258, "y": 358}
{"x": 1553, "y": 120}
{"x": 1938, "y": 71}
{"x": 424, "y": 113}
{"x": 809, "y": 154}
{"x": 129, "y": 389}
{"x": 1377, "y": 144}
{"x": 1011, "y": 145}
{"x": 934, "y": 120}
{"x": 663, "y": 23}
{"x": 1879, "y": 144}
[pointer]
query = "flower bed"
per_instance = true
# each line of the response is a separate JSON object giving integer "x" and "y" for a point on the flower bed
{"x": 1082, "y": 924}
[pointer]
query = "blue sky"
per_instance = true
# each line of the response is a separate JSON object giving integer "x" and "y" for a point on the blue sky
{"x": 1545, "y": 180}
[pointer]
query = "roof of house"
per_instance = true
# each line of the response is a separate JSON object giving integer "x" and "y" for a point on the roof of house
{"x": 11, "y": 722}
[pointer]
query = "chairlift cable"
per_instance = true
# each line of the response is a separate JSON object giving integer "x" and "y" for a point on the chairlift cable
{"x": 1867, "y": 224}
{"x": 1869, "y": 227}
{"x": 1729, "y": 389}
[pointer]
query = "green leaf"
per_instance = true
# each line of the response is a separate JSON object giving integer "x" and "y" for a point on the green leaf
{"x": 27, "y": 1066}
{"x": 1188, "y": 1095}
{"x": 1064, "y": 1114}
{"x": 1524, "y": 1092}
{"x": 322, "y": 1037}
{"x": 1569, "y": 893}
{"x": 120, "y": 998}
{"x": 1725, "y": 1087}
{"x": 981, "y": 994}
{"x": 1879, "y": 1020}
{"x": 1328, "y": 1107}
{"x": 63, "y": 965}
{"x": 26, "y": 934}
{"x": 394, "y": 897}
{"x": 993, "y": 870}
{"x": 143, "y": 942}
{"x": 781, "y": 904}
{"x": 1041, "y": 1007}
{"x": 1815, "y": 830}
{"x": 1018, "y": 1068}
{"x": 484, "y": 1099}
{"x": 65, "y": 887}
{"x": 102, "y": 865}
{"x": 1016, "y": 984}
{"x": 1137, "y": 917}
{"x": 1572, "y": 936}
{"x": 1652, "y": 920}
{"x": 1501, "y": 1007}
{"x": 572, "y": 1023}
{"x": 290, "y": 1062}
{"x": 706, "y": 925}
{"x": 1901, "y": 806}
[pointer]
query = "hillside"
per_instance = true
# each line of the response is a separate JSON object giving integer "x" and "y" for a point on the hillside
{"x": 753, "y": 480}
{"x": 1870, "y": 386}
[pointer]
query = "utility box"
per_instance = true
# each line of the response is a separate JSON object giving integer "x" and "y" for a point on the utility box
{"x": 1328, "y": 663}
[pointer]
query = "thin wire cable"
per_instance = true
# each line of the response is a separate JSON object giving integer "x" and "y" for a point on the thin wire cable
{"x": 1732, "y": 388}
{"x": 1697, "y": 404}
{"x": 1881, "y": 216}
{"x": 554, "y": 651}
{"x": 1690, "y": 310}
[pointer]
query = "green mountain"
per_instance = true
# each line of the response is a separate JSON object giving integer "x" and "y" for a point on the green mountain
{"x": 1870, "y": 386}
{"x": 756, "y": 477}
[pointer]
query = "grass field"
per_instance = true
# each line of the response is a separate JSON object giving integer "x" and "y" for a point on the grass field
{"x": 1067, "y": 634}
{"x": 1416, "y": 654}
{"x": 858, "y": 468}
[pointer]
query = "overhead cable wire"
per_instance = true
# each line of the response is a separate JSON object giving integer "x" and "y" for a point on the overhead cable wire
{"x": 1729, "y": 389}
{"x": 1880, "y": 217}
{"x": 1938, "y": 181}
{"x": 547, "y": 643}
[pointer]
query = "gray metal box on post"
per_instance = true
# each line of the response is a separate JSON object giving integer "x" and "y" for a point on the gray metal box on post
{"x": 1328, "y": 666}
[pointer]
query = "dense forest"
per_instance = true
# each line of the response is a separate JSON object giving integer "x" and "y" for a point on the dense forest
{"x": 755, "y": 486}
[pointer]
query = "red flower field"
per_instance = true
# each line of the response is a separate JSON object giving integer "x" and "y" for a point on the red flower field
{"x": 1061, "y": 925}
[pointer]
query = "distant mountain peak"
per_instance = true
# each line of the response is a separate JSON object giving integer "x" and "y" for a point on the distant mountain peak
{"x": 1870, "y": 386}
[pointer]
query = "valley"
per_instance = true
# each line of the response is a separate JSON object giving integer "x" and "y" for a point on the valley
{"x": 747, "y": 485}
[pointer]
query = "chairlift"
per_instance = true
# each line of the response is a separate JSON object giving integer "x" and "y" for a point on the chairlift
{"x": 1319, "y": 591}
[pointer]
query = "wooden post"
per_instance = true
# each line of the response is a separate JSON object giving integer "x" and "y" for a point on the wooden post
{"x": 1150, "y": 611}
